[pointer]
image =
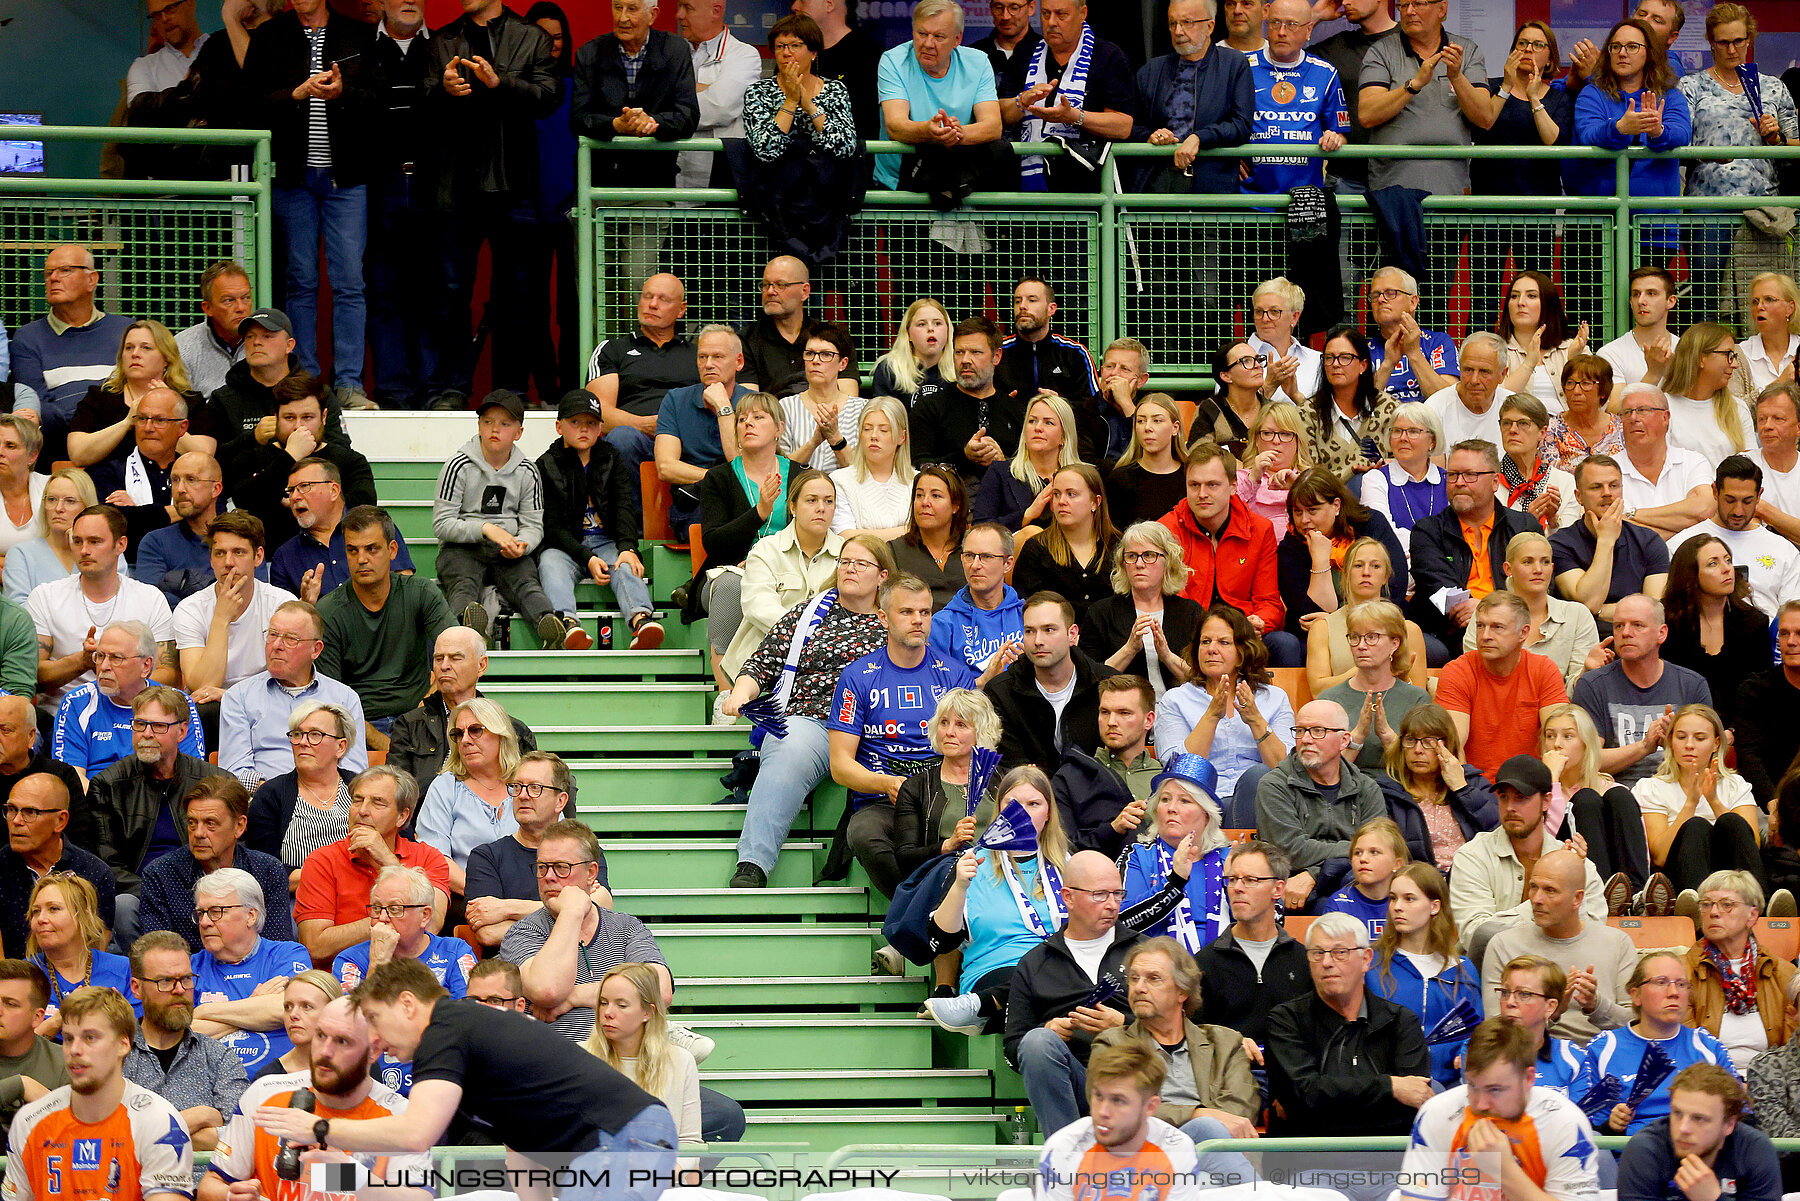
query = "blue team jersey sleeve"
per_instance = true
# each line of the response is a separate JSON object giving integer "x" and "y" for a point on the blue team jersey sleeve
{"x": 847, "y": 702}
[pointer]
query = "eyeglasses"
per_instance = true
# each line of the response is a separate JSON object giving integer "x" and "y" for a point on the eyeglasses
{"x": 1625, "y": 47}
{"x": 500, "y": 1002}
{"x": 1341, "y": 359}
{"x": 859, "y": 564}
{"x": 1520, "y": 995}
{"x": 1196, "y": 24}
{"x": 1232, "y": 881}
{"x": 1390, "y": 294}
{"x": 215, "y": 912}
{"x": 1316, "y": 731}
{"x": 59, "y": 272}
{"x": 1272, "y": 314}
{"x": 1516, "y": 423}
{"x": 1730, "y": 353}
{"x": 1282, "y": 436}
{"x": 392, "y": 911}
{"x": 819, "y": 356}
{"x": 1142, "y": 558}
{"x": 1534, "y": 47}
{"x": 1466, "y": 477}
{"x": 107, "y": 658}
{"x": 531, "y": 789}
{"x": 158, "y": 422}
{"x": 141, "y": 725}
{"x": 15, "y": 812}
{"x": 559, "y": 870}
{"x": 293, "y": 490}
{"x": 776, "y": 285}
{"x": 464, "y": 732}
{"x": 981, "y": 558}
{"x": 1101, "y": 896}
{"x": 1642, "y": 410}
{"x": 1720, "y": 906}
{"x": 166, "y": 9}
{"x": 169, "y": 984}
{"x": 308, "y": 737}
{"x": 1668, "y": 983}
{"x": 1365, "y": 639}
{"x": 1286, "y": 25}
{"x": 184, "y": 481}
{"x": 1335, "y": 954}
{"x": 1732, "y": 44}
{"x": 288, "y": 640}
{"x": 1413, "y": 742}
{"x": 1150, "y": 978}
{"x": 1250, "y": 360}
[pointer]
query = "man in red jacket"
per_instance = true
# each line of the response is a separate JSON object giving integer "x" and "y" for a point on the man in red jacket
{"x": 1231, "y": 551}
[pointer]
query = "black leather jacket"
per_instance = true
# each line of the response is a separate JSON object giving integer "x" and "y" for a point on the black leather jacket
{"x": 487, "y": 140}
{"x": 123, "y": 806}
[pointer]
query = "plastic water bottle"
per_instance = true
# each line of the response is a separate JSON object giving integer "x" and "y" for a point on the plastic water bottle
{"x": 1018, "y": 1128}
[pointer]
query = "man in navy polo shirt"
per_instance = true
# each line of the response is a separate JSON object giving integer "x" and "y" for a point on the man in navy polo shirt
{"x": 501, "y": 884}
{"x": 1604, "y": 558}
{"x": 696, "y": 427}
{"x": 312, "y": 563}
{"x": 630, "y": 374}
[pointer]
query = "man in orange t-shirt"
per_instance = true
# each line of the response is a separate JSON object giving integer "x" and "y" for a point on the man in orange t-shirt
{"x": 1497, "y": 694}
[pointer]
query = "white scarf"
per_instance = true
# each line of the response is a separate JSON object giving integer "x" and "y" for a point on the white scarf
{"x": 1073, "y": 90}
{"x": 804, "y": 628}
{"x": 137, "y": 480}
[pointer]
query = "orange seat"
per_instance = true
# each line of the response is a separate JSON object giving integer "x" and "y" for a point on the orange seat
{"x": 62, "y": 463}
{"x": 1296, "y": 924}
{"x": 657, "y": 500}
{"x": 1187, "y": 409}
{"x": 467, "y": 934}
{"x": 1292, "y": 680}
{"x": 696, "y": 547}
{"x": 377, "y": 758}
{"x": 1649, "y": 933}
{"x": 1779, "y": 936}
{"x": 1237, "y": 835}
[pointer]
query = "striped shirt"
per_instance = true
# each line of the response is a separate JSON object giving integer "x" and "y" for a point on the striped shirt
{"x": 311, "y": 828}
{"x": 318, "y": 138}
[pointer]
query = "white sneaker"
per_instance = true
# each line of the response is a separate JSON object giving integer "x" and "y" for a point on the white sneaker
{"x": 697, "y": 1045}
{"x": 959, "y": 1014}
{"x": 718, "y": 711}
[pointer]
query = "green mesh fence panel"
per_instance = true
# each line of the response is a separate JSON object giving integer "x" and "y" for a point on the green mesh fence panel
{"x": 1185, "y": 278}
{"x": 151, "y": 251}
{"x": 1713, "y": 257}
{"x": 968, "y": 260}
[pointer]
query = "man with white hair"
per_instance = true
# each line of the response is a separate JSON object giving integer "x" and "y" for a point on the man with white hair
{"x": 94, "y": 722}
{"x": 934, "y": 90}
{"x": 1312, "y": 803}
{"x": 724, "y": 69}
{"x": 1470, "y": 408}
{"x": 253, "y": 716}
{"x": 1342, "y": 1060}
{"x": 419, "y": 738}
{"x": 1666, "y": 488}
{"x": 1410, "y": 362}
{"x": 138, "y": 806}
{"x": 239, "y": 974}
{"x": 637, "y": 81}
{"x": 696, "y": 426}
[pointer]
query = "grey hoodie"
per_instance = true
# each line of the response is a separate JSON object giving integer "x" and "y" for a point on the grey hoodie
{"x": 470, "y": 494}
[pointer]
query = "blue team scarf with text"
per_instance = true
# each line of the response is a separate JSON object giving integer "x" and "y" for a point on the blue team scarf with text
{"x": 1072, "y": 88}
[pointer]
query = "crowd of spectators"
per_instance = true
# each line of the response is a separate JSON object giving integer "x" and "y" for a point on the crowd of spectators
{"x": 1455, "y": 650}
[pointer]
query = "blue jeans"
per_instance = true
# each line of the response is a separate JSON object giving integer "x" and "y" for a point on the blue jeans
{"x": 791, "y": 768}
{"x": 559, "y": 574}
{"x": 1240, "y": 813}
{"x": 636, "y": 448}
{"x": 1231, "y": 1167}
{"x": 1285, "y": 649}
{"x": 721, "y": 1118}
{"x": 645, "y": 1144}
{"x": 402, "y": 273}
{"x": 1055, "y": 1081}
{"x": 320, "y": 211}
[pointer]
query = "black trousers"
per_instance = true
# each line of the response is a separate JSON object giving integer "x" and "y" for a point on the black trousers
{"x": 1702, "y": 848}
{"x": 1613, "y": 825}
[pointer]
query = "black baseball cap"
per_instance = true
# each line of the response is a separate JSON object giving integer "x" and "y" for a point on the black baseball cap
{"x": 504, "y": 398}
{"x": 578, "y": 402}
{"x": 273, "y": 319}
{"x": 1525, "y": 773}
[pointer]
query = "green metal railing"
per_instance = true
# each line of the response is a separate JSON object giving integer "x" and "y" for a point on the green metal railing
{"x": 153, "y": 237}
{"x": 1173, "y": 270}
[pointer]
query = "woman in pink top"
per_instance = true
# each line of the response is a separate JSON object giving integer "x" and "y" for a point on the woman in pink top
{"x": 1275, "y": 458}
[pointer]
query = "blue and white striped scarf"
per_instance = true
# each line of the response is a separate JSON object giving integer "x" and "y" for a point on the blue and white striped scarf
{"x": 1072, "y": 88}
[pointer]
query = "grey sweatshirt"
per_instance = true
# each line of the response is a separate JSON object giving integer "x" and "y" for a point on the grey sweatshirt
{"x": 1610, "y": 952}
{"x": 470, "y": 494}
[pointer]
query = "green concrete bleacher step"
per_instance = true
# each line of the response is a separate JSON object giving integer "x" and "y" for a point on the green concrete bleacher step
{"x": 764, "y": 994}
{"x": 590, "y": 740}
{"x": 739, "y": 904}
{"x": 827, "y": 1129}
{"x": 696, "y": 863}
{"x": 676, "y": 636}
{"x": 787, "y": 1087}
{"x": 530, "y": 664}
{"x": 603, "y": 704}
{"x": 604, "y": 783}
{"x": 800, "y": 1042}
{"x": 662, "y": 819}
{"x": 757, "y": 951}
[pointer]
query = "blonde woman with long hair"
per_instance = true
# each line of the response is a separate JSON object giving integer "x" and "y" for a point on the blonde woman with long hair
{"x": 1416, "y": 964}
{"x": 874, "y": 493}
{"x": 912, "y": 369}
{"x": 1017, "y": 493}
{"x": 467, "y": 804}
{"x": 1699, "y": 814}
{"x": 1150, "y": 478}
{"x": 49, "y": 556}
{"x": 66, "y": 941}
{"x": 1705, "y": 416}
{"x": 631, "y": 1034}
{"x": 1773, "y": 307}
{"x": 1589, "y": 805}
{"x": 147, "y": 359}
{"x": 1438, "y": 801}
{"x": 1276, "y": 456}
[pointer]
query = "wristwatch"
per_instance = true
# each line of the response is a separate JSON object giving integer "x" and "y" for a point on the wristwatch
{"x": 321, "y": 1128}
{"x": 1411, "y": 90}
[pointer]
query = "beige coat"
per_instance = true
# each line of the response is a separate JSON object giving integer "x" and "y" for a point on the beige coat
{"x": 1221, "y": 1069}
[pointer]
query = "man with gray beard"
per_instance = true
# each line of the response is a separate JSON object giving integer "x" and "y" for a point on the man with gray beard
{"x": 138, "y": 805}
{"x": 199, "y": 1075}
{"x": 94, "y": 722}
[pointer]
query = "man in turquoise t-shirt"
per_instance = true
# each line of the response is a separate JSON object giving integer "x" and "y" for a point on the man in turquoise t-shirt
{"x": 934, "y": 90}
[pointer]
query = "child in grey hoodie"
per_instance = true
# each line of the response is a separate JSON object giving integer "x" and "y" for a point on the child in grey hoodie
{"x": 489, "y": 517}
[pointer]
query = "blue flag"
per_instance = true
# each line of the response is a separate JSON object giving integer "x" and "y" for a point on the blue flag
{"x": 1600, "y": 1099}
{"x": 1653, "y": 1069}
{"x": 1455, "y": 1026}
{"x": 1011, "y": 830}
{"x": 1752, "y": 81}
{"x": 1107, "y": 990}
{"x": 981, "y": 770}
{"x": 766, "y": 716}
